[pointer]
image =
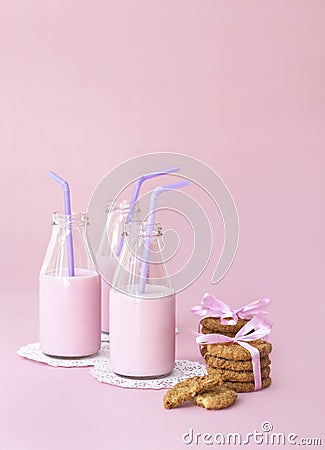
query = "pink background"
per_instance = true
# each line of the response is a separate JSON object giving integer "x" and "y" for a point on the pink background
{"x": 87, "y": 85}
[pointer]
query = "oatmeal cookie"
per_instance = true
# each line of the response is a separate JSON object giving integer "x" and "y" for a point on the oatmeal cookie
{"x": 246, "y": 387}
{"x": 189, "y": 388}
{"x": 241, "y": 376}
{"x": 219, "y": 398}
{"x": 214, "y": 324}
{"x": 229, "y": 364}
{"x": 205, "y": 330}
{"x": 235, "y": 351}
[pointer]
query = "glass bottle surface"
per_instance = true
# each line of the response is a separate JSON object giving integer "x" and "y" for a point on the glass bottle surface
{"x": 106, "y": 254}
{"x": 69, "y": 309}
{"x": 142, "y": 324}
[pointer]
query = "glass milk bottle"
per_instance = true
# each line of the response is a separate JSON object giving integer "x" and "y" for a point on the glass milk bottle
{"x": 142, "y": 324}
{"x": 69, "y": 309}
{"x": 106, "y": 254}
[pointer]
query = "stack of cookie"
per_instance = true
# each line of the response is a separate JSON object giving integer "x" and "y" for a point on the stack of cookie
{"x": 231, "y": 361}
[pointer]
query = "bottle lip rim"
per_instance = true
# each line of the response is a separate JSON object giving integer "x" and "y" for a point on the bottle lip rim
{"x": 75, "y": 218}
{"x": 73, "y": 213}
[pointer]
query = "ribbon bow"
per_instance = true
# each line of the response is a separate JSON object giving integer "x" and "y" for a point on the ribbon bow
{"x": 256, "y": 328}
{"x": 214, "y": 307}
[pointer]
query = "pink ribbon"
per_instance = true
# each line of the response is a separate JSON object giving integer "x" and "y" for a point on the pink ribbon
{"x": 256, "y": 328}
{"x": 214, "y": 307}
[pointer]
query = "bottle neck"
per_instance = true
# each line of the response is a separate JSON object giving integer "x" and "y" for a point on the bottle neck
{"x": 61, "y": 220}
{"x": 141, "y": 270}
{"x": 122, "y": 208}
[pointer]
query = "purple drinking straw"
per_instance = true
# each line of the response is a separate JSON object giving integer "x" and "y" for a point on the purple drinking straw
{"x": 151, "y": 215}
{"x": 135, "y": 196}
{"x": 67, "y": 212}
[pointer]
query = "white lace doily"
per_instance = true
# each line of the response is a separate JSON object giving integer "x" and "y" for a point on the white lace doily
{"x": 33, "y": 352}
{"x": 183, "y": 369}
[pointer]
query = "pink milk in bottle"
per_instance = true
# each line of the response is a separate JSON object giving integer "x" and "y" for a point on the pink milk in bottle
{"x": 70, "y": 313}
{"x": 106, "y": 258}
{"x": 106, "y": 266}
{"x": 142, "y": 333}
{"x": 142, "y": 317}
{"x": 69, "y": 301}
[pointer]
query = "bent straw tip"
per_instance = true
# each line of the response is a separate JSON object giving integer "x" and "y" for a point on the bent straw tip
{"x": 183, "y": 183}
{"x": 173, "y": 169}
{"x": 59, "y": 180}
{"x": 174, "y": 186}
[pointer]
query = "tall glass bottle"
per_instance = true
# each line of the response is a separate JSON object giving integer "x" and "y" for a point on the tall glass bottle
{"x": 142, "y": 324}
{"x": 69, "y": 309}
{"x": 106, "y": 254}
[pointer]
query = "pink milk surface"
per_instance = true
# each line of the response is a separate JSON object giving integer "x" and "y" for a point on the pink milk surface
{"x": 69, "y": 314}
{"x": 142, "y": 333}
{"x": 106, "y": 267}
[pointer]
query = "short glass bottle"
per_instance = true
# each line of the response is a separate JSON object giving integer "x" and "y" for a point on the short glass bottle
{"x": 142, "y": 324}
{"x": 69, "y": 309}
